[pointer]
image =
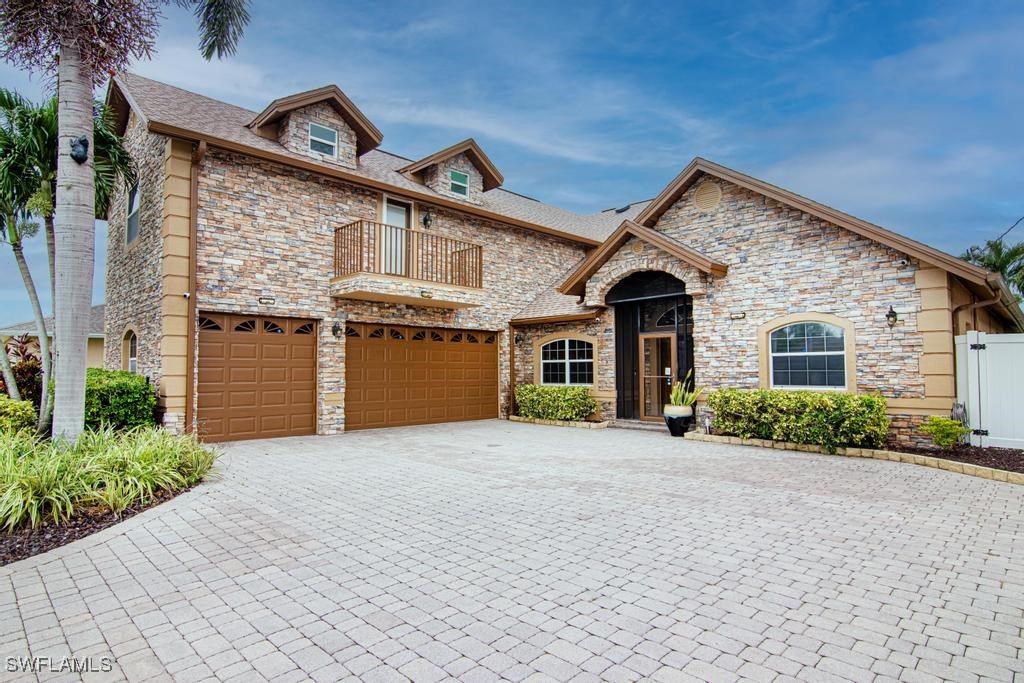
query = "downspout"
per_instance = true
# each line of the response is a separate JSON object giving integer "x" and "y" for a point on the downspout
{"x": 190, "y": 350}
{"x": 511, "y": 368}
{"x": 984, "y": 303}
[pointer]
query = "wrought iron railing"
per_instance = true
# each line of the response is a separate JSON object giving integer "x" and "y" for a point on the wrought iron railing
{"x": 369, "y": 247}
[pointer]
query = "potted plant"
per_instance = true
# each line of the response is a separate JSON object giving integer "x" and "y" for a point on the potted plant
{"x": 678, "y": 411}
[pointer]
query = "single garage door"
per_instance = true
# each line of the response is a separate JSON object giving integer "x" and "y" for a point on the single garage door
{"x": 257, "y": 377}
{"x": 397, "y": 375}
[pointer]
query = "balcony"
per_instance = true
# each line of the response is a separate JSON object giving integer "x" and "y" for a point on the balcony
{"x": 378, "y": 262}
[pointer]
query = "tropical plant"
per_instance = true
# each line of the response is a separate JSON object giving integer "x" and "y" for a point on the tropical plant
{"x": 28, "y": 176}
{"x": 1007, "y": 260}
{"x": 681, "y": 396}
{"x": 49, "y": 480}
{"x": 945, "y": 432}
{"x": 553, "y": 402}
{"x": 83, "y": 41}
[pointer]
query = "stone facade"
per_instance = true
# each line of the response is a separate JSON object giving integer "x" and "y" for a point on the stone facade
{"x": 133, "y": 278}
{"x": 438, "y": 179}
{"x": 780, "y": 262}
{"x": 266, "y": 232}
{"x": 293, "y": 134}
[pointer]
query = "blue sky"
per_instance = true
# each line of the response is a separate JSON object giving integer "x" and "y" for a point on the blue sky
{"x": 903, "y": 113}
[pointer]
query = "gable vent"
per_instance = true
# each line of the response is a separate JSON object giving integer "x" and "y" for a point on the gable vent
{"x": 707, "y": 196}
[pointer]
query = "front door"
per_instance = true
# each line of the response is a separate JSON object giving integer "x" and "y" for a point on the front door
{"x": 657, "y": 370}
{"x": 395, "y": 237}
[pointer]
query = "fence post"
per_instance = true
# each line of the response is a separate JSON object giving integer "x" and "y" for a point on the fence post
{"x": 974, "y": 379}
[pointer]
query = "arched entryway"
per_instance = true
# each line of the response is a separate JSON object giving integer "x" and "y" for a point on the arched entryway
{"x": 653, "y": 341}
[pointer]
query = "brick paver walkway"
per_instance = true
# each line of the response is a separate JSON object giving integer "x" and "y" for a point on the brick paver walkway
{"x": 495, "y": 549}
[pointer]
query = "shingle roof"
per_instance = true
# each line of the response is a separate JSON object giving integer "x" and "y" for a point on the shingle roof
{"x": 553, "y": 304}
{"x": 172, "y": 106}
{"x": 29, "y": 326}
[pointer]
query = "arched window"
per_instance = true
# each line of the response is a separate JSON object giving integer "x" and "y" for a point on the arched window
{"x": 130, "y": 352}
{"x": 808, "y": 355}
{"x": 567, "y": 361}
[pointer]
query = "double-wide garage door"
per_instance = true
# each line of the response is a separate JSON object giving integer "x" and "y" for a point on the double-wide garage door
{"x": 257, "y": 377}
{"x": 398, "y": 375}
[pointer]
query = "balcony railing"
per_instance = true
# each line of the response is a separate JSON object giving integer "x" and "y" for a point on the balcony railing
{"x": 368, "y": 247}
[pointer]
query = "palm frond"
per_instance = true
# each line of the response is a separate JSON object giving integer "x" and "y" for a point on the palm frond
{"x": 221, "y": 24}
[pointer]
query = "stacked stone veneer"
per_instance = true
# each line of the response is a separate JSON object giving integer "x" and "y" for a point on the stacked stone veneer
{"x": 133, "y": 279}
{"x": 293, "y": 134}
{"x": 780, "y": 261}
{"x": 438, "y": 178}
{"x": 267, "y": 231}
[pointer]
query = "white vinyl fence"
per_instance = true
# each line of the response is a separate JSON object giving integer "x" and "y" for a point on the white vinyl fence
{"x": 990, "y": 383}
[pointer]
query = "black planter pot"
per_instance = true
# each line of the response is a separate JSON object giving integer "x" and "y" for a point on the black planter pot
{"x": 677, "y": 424}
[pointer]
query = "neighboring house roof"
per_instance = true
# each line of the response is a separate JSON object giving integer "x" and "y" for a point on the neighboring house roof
{"x": 29, "y": 326}
{"x": 367, "y": 135}
{"x": 576, "y": 283}
{"x": 492, "y": 177}
{"x": 179, "y": 113}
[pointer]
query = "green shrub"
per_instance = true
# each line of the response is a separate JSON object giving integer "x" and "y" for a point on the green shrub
{"x": 15, "y": 415}
{"x": 555, "y": 402}
{"x": 42, "y": 479}
{"x": 118, "y": 399}
{"x": 823, "y": 418}
{"x": 944, "y": 431}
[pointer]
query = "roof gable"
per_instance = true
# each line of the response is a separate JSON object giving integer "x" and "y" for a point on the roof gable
{"x": 699, "y": 167}
{"x": 367, "y": 135}
{"x": 491, "y": 175}
{"x": 576, "y": 282}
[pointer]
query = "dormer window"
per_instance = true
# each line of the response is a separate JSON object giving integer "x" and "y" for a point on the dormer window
{"x": 323, "y": 140}
{"x": 459, "y": 182}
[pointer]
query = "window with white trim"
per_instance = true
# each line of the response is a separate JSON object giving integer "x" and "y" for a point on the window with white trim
{"x": 323, "y": 139}
{"x": 459, "y": 182}
{"x": 132, "y": 229}
{"x": 131, "y": 352}
{"x": 808, "y": 355}
{"x": 567, "y": 361}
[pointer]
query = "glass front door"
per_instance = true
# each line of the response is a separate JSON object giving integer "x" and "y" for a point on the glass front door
{"x": 657, "y": 369}
{"x": 394, "y": 238}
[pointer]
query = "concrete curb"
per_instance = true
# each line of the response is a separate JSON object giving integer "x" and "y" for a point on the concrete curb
{"x": 894, "y": 456}
{"x": 559, "y": 423}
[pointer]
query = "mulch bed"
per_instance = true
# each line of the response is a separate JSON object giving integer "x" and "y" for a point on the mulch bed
{"x": 29, "y": 541}
{"x": 1009, "y": 459}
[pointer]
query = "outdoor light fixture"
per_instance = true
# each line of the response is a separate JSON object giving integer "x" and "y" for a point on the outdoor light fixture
{"x": 737, "y": 315}
{"x": 426, "y": 294}
{"x": 891, "y": 317}
{"x": 336, "y": 329}
{"x": 428, "y": 219}
{"x": 520, "y": 338}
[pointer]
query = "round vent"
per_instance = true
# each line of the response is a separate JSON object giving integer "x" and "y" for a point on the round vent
{"x": 637, "y": 247}
{"x": 707, "y": 196}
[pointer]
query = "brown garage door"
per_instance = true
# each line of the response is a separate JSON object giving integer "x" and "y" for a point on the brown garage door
{"x": 397, "y": 375}
{"x": 257, "y": 377}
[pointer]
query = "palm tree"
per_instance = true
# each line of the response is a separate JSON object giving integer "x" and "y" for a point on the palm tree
{"x": 83, "y": 41}
{"x": 28, "y": 175}
{"x": 996, "y": 256}
{"x": 10, "y": 383}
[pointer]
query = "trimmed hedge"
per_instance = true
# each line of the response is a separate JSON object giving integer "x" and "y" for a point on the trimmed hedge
{"x": 823, "y": 418}
{"x": 546, "y": 402}
{"x": 16, "y": 415}
{"x": 118, "y": 399}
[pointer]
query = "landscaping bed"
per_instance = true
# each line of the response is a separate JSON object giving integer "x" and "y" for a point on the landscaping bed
{"x": 1008, "y": 459}
{"x": 28, "y": 541}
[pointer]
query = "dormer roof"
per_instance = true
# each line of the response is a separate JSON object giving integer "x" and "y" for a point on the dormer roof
{"x": 367, "y": 135}
{"x": 491, "y": 175}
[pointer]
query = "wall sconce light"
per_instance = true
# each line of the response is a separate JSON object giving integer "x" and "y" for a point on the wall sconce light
{"x": 520, "y": 338}
{"x": 426, "y": 294}
{"x": 428, "y": 219}
{"x": 336, "y": 329}
{"x": 267, "y": 301}
{"x": 891, "y": 317}
{"x": 737, "y": 315}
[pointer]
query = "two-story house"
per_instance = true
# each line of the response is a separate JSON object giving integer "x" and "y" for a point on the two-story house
{"x": 276, "y": 273}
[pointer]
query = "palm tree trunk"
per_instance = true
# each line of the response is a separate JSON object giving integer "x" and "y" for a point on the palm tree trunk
{"x": 74, "y": 238}
{"x": 48, "y": 227}
{"x": 8, "y": 372}
{"x": 43, "y": 336}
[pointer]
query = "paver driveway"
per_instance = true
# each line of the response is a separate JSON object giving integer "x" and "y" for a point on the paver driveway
{"x": 494, "y": 549}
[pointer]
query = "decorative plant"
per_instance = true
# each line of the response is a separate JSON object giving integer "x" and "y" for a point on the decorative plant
{"x": 944, "y": 431}
{"x": 680, "y": 396}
